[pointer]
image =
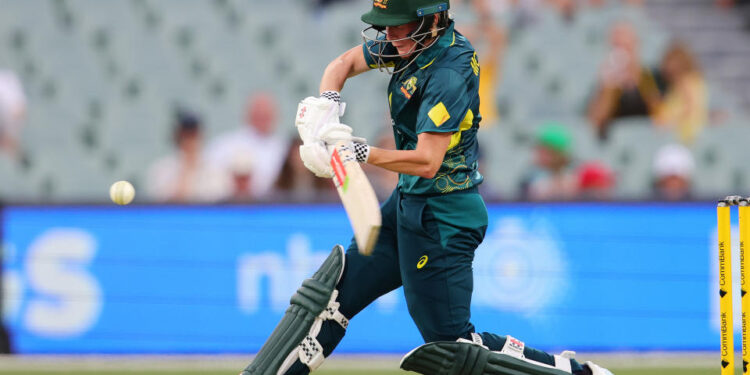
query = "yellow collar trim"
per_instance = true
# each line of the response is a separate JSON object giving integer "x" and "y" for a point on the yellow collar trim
{"x": 428, "y": 64}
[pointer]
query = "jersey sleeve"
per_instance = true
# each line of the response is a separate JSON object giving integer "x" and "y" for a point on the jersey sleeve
{"x": 370, "y": 49}
{"x": 445, "y": 102}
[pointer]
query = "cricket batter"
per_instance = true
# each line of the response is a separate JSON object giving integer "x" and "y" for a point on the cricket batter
{"x": 433, "y": 221}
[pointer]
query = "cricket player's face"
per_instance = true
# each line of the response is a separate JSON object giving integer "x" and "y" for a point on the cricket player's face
{"x": 399, "y": 37}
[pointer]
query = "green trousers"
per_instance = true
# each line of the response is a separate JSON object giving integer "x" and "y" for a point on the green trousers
{"x": 426, "y": 244}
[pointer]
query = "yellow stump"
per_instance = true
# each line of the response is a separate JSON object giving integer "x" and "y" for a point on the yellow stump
{"x": 723, "y": 214}
{"x": 744, "y": 221}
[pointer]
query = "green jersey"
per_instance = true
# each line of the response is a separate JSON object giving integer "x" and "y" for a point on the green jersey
{"x": 438, "y": 93}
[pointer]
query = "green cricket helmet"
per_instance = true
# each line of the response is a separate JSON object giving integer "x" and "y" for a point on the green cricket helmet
{"x": 398, "y": 12}
{"x": 386, "y": 13}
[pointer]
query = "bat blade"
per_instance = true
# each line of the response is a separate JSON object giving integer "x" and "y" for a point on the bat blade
{"x": 357, "y": 196}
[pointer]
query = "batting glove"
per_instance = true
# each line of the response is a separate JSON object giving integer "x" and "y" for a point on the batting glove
{"x": 312, "y": 113}
{"x": 334, "y": 133}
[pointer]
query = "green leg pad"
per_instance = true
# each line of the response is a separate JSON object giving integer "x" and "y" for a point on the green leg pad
{"x": 309, "y": 301}
{"x": 463, "y": 358}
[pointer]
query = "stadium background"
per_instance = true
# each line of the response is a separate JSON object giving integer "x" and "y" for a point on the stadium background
{"x": 633, "y": 271}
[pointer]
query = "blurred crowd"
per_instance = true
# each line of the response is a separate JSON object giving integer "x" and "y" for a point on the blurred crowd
{"x": 253, "y": 163}
{"x": 259, "y": 161}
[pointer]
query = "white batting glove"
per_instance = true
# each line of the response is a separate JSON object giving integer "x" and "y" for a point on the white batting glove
{"x": 316, "y": 158}
{"x": 334, "y": 133}
{"x": 312, "y": 113}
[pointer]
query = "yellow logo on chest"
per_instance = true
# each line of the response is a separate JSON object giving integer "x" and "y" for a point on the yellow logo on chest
{"x": 422, "y": 262}
{"x": 408, "y": 87}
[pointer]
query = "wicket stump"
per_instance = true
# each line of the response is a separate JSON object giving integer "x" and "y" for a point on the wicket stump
{"x": 726, "y": 315}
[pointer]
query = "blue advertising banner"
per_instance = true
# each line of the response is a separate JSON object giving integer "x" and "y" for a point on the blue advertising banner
{"x": 160, "y": 279}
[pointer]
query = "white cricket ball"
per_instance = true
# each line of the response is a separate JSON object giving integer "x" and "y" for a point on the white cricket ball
{"x": 122, "y": 192}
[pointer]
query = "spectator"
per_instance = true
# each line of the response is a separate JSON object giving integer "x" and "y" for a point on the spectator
{"x": 602, "y": 3}
{"x": 325, "y": 3}
{"x": 185, "y": 176}
{"x": 297, "y": 184}
{"x": 673, "y": 172}
{"x": 241, "y": 176}
{"x": 552, "y": 177}
{"x": 489, "y": 39}
{"x": 566, "y": 8}
{"x": 685, "y": 104}
{"x": 595, "y": 182}
{"x": 730, "y": 4}
{"x": 626, "y": 87}
{"x": 257, "y": 137}
{"x": 12, "y": 113}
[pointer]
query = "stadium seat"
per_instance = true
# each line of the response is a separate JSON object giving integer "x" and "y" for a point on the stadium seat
{"x": 120, "y": 68}
{"x": 720, "y": 169}
{"x": 630, "y": 151}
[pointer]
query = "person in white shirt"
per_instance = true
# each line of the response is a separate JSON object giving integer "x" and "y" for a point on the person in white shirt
{"x": 673, "y": 169}
{"x": 257, "y": 137}
{"x": 186, "y": 176}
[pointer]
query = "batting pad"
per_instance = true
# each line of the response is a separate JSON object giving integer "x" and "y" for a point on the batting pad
{"x": 467, "y": 358}
{"x": 295, "y": 336}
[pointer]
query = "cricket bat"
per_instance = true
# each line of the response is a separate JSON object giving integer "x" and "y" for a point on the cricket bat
{"x": 358, "y": 197}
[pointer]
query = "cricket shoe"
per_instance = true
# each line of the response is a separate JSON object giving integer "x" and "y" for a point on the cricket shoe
{"x": 595, "y": 369}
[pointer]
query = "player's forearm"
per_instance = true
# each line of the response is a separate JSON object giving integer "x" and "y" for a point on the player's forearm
{"x": 411, "y": 162}
{"x": 349, "y": 64}
{"x": 334, "y": 76}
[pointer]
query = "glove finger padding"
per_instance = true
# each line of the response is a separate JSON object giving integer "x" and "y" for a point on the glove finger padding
{"x": 331, "y": 133}
{"x": 316, "y": 159}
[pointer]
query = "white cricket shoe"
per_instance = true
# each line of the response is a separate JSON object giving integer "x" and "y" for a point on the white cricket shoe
{"x": 596, "y": 369}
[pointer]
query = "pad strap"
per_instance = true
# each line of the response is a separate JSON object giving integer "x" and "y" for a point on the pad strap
{"x": 513, "y": 347}
{"x": 310, "y": 350}
{"x": 311, "y": 353}
{"x": 477, "y": 339}
{"x": 331, "y": 312}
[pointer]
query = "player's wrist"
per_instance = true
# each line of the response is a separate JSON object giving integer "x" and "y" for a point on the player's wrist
{"x": 334, "y": 96}
{"x": 361, "y": 152}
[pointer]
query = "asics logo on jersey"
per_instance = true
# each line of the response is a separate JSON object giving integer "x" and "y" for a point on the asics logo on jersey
{"x": 422, "y": 262}
{"x": 302, "y": 112}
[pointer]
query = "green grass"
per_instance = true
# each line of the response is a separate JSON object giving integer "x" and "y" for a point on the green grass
{"x": 631, "y": 371}
{"x": 695, "y": 363}
{"x": 668, "y": 371}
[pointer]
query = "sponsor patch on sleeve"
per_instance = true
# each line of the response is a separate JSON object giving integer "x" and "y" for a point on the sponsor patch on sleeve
{"x": 439, "y": 114}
